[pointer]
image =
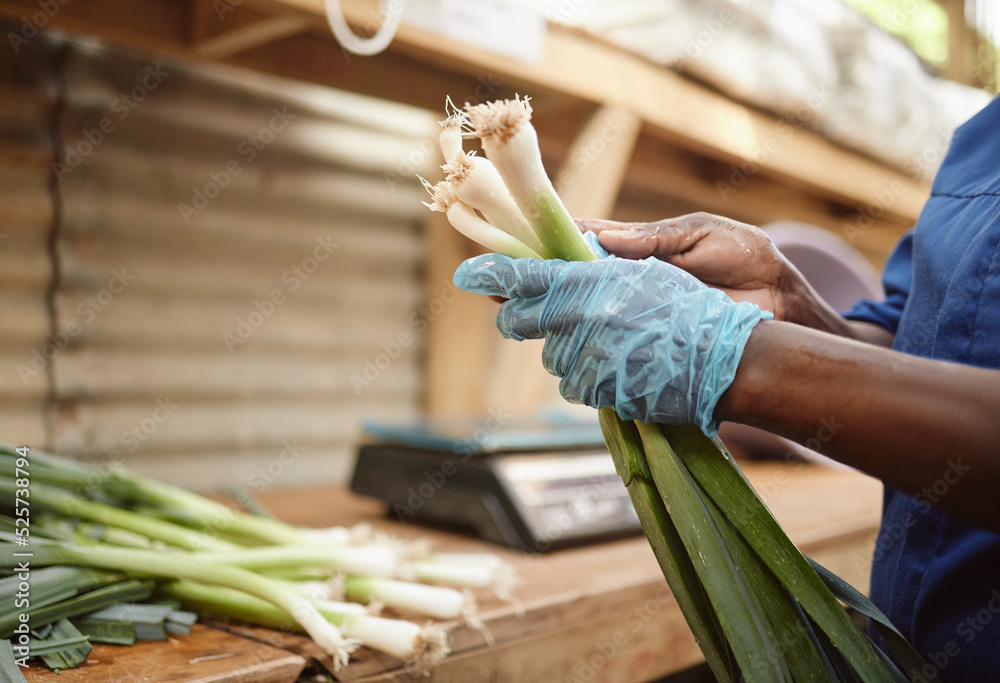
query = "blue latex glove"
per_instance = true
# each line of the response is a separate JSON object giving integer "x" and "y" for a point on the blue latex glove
{"x": 643, "y": 337}
{"x": 595, "y": 246}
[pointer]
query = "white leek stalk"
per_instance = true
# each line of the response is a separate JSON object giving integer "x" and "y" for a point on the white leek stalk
{"x": 510, "y": 142}
{"x": 423, "y": 646}
{"x": 464, "y": 219}
{"x": 470, "y": 570}
{"x": 371, "y": 560}
{"x": 451, "y": 136}
{"x": 475, "y": 181}
{"x": 468, "y": 575}
{"x": 318, "y": 593}
{"x": 481, "y": 559}
{"x": 432, "y": 601}
{"x": 339, "y": 535}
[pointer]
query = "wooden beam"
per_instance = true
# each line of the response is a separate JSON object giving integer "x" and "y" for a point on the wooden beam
{"x": 220, "y": 30}
{"x": 659, "y": 168}
{"x": 674, "y": 107}
{"x": 592, "y": 172}
{"x": 246, "y": 37}
{"x": 745, "y": 190}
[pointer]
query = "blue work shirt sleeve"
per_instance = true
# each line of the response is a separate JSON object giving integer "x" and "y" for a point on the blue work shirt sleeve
{"x": 896, "y": 281}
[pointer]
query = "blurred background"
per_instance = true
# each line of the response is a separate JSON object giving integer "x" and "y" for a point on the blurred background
{"x": 215, "y": 262}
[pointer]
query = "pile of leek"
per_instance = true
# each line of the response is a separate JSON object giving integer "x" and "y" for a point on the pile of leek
{"x": 218, "y": 561}
{"x": 759, "y": 609}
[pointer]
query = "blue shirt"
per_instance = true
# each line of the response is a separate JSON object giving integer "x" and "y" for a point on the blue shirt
{"x": 936, "y": 578}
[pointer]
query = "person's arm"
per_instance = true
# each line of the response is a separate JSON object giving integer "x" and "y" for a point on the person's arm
{"x": 928, "y": 428}
{"x": 738, "y": 259}
{"x": 925, "y": 427}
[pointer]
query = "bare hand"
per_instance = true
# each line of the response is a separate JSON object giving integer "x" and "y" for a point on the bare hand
{"x": 737, "y": 258}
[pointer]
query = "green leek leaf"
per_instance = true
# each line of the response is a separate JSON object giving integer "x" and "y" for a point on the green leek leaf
{"x": 112, "y": 632}
{"x": 755, "y": 645}
{"x": 710, "y": 463}
{"x": 907, "y": 655}
{"x": 630, "y": 461}
{"x": 65, "y": 647}
{"x": 88, "y": 602}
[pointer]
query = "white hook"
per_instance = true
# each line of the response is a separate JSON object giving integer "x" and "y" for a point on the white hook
{"x": 391, "y": 12}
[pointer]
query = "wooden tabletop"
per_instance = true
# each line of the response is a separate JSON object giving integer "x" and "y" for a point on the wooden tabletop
{"x": 596, "y": 613}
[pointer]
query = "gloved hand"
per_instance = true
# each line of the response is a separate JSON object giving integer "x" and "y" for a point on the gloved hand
{"x": 643, "y": 337}
{"x": 737, "y": 258}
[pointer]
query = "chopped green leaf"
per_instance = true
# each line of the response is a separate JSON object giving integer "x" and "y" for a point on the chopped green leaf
{"x": 10, "y": 671}
{"x": 82, "y": 604}
{"x": 65, "y": 648}
{"x": 147, "y": 620}
{"x": 110, "y": 631}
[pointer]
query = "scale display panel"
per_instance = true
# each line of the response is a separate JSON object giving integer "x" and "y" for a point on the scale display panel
{"x": 530, "y": 486}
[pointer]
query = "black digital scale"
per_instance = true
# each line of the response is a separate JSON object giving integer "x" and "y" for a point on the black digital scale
{"x": 532, "y": 486}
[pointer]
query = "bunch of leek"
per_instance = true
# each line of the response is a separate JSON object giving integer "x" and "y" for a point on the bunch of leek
{"x": 759, "y": 609}
{"x": 219, "y": 561}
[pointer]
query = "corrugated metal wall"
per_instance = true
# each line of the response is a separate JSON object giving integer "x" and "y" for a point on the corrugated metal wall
{"x": 231, "y": 251}
{"x": 27, "y": 110}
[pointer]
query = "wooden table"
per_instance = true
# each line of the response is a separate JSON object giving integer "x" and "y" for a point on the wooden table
{"x": 595, "y": 613}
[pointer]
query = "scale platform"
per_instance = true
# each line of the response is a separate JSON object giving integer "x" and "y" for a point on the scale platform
{"x": 531, "y": 486}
